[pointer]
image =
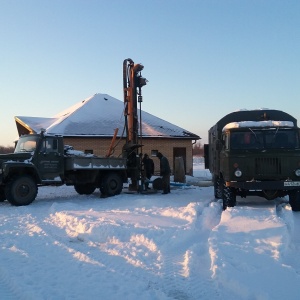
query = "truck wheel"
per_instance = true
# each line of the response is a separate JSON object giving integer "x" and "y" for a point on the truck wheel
{"x": 229, "y": 197}
{"x": 294, "y": 200}
{"x": 2, "y": 195}
{"x": 112, "y": 185}
{"x": 218, "y": 187}
{"x": 84, "y": 189}
{"x": 21, "y": 190}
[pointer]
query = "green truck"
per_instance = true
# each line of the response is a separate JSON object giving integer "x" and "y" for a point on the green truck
{"x": 255, "y": 152}
{"x": 41, "y": 160}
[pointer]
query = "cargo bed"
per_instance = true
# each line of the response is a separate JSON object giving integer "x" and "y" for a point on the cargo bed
{"x": 81, "y": 163}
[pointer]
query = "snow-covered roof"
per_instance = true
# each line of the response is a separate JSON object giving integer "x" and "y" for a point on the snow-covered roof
{"x": 99, "y": 116}
{"x": 35, "y": 123}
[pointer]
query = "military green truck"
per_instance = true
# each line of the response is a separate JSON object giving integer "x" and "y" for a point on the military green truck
{"x": 41, "y": 160}
{"x": 255, "y": 152}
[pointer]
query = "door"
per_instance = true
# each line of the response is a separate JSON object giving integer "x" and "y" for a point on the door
{"x": 50, "y": 160}
{"x": 179, "y": 152}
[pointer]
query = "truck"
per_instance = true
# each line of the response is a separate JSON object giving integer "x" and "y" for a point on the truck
{"x": 255, "y": 153}
{"x": 42, "y": 159}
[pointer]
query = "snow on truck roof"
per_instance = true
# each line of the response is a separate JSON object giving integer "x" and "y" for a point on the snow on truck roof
{"x": 255, "y": 117}
{"x": 247, "y": 124}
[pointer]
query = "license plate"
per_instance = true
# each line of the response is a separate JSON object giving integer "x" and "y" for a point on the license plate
{"x": 292, "y": 183}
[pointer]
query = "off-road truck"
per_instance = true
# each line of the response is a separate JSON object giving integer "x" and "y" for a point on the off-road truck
{"x": 255, "y": 152}
{"x": 43, "y": 159}
{"x": 40, "y": 160}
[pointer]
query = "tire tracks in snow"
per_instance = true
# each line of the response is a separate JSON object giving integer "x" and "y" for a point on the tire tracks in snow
{"x": 292, "y": 250}
{"x": 250, "y": 244}
{"x": 7, "y": 290}
{"x": 186, "y": 263}
{"x": 175, "y": 266}
{"x": 14, "y": 255}
{"x": 10, "y": 290}
{"x": 120, "y": 255}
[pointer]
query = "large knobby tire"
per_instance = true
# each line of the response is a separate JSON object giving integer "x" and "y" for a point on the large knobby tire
{"x": 21, "y": 190}
{"x": 112, "y": 185}
{"x": 229, "y": 197}
{"x": 218, "y": 187}
{"x": 84, "y": 189}
{"x": 294, "y": 200}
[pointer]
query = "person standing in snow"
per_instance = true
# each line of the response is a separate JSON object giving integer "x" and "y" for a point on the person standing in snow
{"x": 148, "y": 168}
{"x": 165, "y": 172}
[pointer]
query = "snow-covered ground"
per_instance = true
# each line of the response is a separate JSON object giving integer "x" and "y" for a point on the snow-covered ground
{"x": 136, "y": 246}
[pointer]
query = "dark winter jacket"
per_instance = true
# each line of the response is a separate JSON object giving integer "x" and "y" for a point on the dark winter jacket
{"x": 164, "y": 166}
{"x": 149, "y": 166}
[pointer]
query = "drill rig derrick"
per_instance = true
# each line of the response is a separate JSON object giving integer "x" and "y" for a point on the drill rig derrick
{"x": 132, "y": 88}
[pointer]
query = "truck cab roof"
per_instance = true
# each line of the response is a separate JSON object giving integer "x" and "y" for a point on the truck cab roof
{"x": 255, "y": 116}
{"x": 258, "y": 124}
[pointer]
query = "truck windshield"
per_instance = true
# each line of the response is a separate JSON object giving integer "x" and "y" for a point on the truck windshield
{"x": 265, "y": 139}
{"x": 26, "y": 144}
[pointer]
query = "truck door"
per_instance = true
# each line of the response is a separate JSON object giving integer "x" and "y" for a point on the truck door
{"x": 50, "y": 160}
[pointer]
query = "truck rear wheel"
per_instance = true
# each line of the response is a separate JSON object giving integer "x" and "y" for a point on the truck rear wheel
{"x": 294, "y": 200}
{"x": 112, "y": 184}
{"x": 229, "y": 197}
{"x": 21, "y": 190}
{"x": 84, "y": 189}
{"x": 218, "y": 187}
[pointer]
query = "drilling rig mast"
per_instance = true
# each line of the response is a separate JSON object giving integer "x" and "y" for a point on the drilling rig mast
{"x": 132, "y": 88}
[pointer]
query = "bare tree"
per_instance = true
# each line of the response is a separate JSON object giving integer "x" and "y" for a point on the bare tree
{"x": 198, "y": 149}
{"x": 5, "y": 150}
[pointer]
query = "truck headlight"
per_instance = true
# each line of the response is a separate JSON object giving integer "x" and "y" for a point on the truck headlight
{"x": 297, "y": 172}
{"x": 238, "y": 173}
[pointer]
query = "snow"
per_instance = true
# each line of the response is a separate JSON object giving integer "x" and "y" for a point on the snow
{"x": 249, "y": 124}
{"x": 153, "y": 246}
{"x": 70, "y": 151}
{"x": 82, "y": 119}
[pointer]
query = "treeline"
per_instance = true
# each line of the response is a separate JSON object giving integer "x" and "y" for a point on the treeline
{"x": 198, "y": 149}
{"x": 4, "y": 150}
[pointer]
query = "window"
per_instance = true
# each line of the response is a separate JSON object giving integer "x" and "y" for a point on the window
{"x": 286, "y": 139}
{"x": 49, "y": 145}
{"x": 247, "y": 140}
{"x": 271, "y": 138}
{"x": 26, "y": 144}
{"x": 154, "y": 152}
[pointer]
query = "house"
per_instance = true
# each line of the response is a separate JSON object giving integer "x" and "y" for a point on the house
{"x": 90, "y": 125}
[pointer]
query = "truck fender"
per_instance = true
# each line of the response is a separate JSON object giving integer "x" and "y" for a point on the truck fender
{"x": 13, "y": 169}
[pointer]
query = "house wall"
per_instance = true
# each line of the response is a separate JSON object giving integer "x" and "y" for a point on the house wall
{"x": 100, "y": 147}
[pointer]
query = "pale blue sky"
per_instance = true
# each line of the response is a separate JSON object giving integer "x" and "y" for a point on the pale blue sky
{"x": 203, "y": 59}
